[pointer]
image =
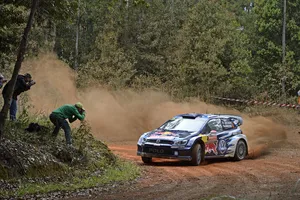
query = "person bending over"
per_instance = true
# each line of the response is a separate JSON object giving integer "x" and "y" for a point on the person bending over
{"x": 59, "y": 118}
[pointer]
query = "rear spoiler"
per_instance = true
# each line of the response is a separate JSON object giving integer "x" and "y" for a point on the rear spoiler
{"x": 238, "y": 120}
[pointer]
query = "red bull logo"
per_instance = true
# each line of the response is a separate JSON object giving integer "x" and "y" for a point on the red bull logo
{"x": 211, "y": 148}
{"x": 163, "y": 134}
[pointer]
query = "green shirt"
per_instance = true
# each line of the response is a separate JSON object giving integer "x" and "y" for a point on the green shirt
{"x": 70, "y": 112}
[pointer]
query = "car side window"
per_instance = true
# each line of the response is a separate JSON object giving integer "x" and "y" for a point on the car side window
{"x": 227, "y": 124}
{"x": 213, "y": 125}
{"x": 206, "y": 129}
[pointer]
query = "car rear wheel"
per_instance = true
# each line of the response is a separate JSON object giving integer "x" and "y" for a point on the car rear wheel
{"x": 147, "y": 160}
{"x": 240, "y": 151}
{"x": 196, "y": 155}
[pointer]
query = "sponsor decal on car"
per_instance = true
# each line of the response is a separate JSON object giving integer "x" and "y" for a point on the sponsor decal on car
{"x": 222, "y": 146}
{"x": 163, "y": 134}
{"x": 153, "y": 150}
{"x": 204, "y": 138}
{"x": 211, "y": 148}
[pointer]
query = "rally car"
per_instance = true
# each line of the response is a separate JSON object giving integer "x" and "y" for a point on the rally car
{"x": 195, "y": 137}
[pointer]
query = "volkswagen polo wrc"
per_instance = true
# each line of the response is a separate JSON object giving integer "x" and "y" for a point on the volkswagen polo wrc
{"x": 195, "y": 137}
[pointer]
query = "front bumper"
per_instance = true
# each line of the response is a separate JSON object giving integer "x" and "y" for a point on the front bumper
{"x": 164, "y": 152}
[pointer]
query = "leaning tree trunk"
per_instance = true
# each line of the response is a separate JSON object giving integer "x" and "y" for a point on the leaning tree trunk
{"x": 20, "y": 57}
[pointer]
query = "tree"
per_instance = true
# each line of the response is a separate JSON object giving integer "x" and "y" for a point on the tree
{"x": 92, "y": 18}
{"x": 112, "y": 66}
{"x": 13, "y": 14}
{"x": 267, "y": 65}
{"x": 143, "y": 33}
{"x": 20, "y": 57}
{"x": 213, "y": 56}
{"x": 13, "y": 20}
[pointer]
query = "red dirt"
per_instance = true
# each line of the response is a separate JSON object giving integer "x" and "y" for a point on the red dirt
{"x": 272, "y": 175}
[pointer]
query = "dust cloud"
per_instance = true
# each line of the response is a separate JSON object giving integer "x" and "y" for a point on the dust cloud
{"x": 122, "y": 116}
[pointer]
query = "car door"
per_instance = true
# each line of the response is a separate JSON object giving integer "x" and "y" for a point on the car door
{"x": 212, "y": 129}
{"x": 224, "y": 137}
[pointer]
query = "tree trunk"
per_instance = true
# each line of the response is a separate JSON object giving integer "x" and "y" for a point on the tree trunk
{"x": 77, "y": 36}
{"x": 283, "y": 31}
{"x": 284, "y": 51}
{"x": 20, "y": 57}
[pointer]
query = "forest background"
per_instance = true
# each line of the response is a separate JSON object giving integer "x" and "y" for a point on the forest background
{"x": 186, "y": 48}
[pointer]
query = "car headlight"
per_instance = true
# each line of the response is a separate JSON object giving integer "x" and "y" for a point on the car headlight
{"x": 180, "y": 144}
{"x": 141, "y": 140}
{"x": 190, "y": 143}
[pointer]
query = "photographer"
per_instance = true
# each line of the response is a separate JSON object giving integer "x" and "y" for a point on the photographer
{"x": 24, "y": 83}
{"x": 59, "y": 118}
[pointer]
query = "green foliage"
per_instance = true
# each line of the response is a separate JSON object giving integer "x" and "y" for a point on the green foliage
{"x": 14, "y": 15}
{"x": 165, "y": 46}
{"x": 186, "y": 48}
{"x": 268, "y": 66}
{"x": 113, "y": 67}
{"x": 12, "y": 24}
{"x": 125, "y": 171}
{"x": 213, "y": 58}
{"x": 94, "y": 150}
{"x": 134, "y": 50}
{"x": 91, "y": 21}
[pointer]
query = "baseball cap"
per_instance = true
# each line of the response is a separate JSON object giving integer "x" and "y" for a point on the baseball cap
{"x": 79, "y": 105}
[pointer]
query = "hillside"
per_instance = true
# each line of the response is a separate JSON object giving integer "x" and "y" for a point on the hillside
{"x": 33, "y": 164}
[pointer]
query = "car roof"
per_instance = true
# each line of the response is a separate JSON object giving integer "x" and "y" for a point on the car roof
{"x": 195, "y": 115}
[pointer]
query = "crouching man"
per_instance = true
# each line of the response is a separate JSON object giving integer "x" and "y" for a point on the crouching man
{"x": 59, "y": 118}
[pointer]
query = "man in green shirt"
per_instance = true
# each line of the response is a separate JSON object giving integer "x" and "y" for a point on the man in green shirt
{"x": 71, "y": 112}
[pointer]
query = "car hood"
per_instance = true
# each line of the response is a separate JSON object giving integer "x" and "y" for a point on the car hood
{"x": 169, "y": 135}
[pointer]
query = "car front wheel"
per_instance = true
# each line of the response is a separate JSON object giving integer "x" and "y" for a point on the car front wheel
{"x": 196, "y": 155}
{"x": 240, "y": 151}
{"x": 147, "y": 160}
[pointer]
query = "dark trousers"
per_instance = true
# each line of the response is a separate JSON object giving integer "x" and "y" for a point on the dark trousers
{"x": 61, "y": 123}
{"x": 13, "y": 110}
{"x": 13, "y": 107}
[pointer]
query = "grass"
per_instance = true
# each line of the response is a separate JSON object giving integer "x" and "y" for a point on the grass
{"x": 123, "y": 171}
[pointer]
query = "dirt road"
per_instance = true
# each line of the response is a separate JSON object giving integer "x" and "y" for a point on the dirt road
{"x": 272, "y": 175}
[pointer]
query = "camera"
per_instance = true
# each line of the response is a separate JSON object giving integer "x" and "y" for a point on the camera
{"x": 32, "y": 82}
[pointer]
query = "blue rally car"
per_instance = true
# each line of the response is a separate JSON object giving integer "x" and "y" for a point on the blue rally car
{"x": 193, "y": 137}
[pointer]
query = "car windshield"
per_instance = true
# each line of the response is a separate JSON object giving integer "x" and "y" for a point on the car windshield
{"x": 184, "y": 124}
